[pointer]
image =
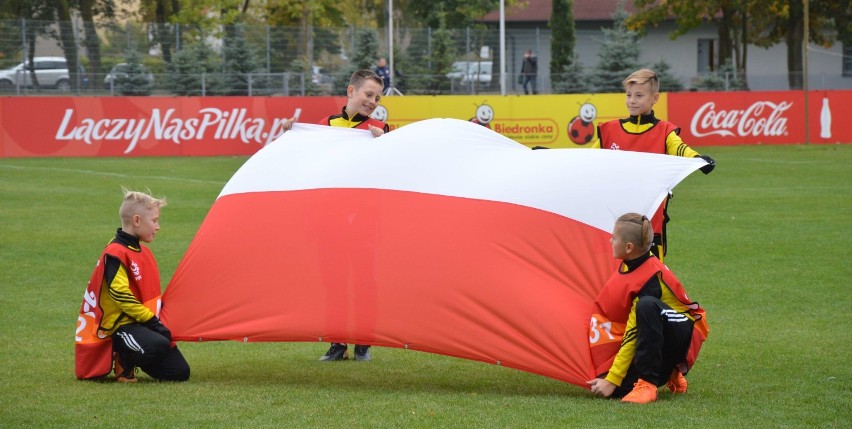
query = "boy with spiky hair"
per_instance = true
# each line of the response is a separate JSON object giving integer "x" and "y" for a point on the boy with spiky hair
{"x": 118, "y": 327}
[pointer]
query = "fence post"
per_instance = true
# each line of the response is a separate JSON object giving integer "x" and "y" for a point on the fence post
{"x": 268, "y": 49}
{"x": 286, "y": 84}
{"x": 23, "y": 54}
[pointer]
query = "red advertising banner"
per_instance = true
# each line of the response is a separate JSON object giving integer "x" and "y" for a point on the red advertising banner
{"x": 149, "y": 126}
{"x": 778, "y": 117}
{"x": 206, "y": 126}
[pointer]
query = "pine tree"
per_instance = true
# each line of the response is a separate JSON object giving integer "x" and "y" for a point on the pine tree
{"x": 562, "y": 42}
{"x": 364, "y": 57}
{"x": 618, "y": 56}
{"x": 668, "y": 82}
{"x": 722, "y": 79}
{"x": 575, "y": 80}
{"x": 135, "y": 80}
{"x": 443, "y": 54}
{"x": 240, "y": 63}
{"x": 192, "y": 65}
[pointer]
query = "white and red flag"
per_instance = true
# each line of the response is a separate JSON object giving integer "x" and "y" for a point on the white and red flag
{"x": 441, "y": 236}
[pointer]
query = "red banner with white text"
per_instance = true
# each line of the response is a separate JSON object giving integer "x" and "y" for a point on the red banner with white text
{"x": 205, "y": 126}
{"x": 149, "y": 126}
{"x": 776, "y": 117}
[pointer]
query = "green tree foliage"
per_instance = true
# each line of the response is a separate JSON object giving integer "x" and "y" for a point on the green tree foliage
{"x": 364, "y": 57}
{"x": 443, "y": 55}
{"x": 562, "y": 42}
{"x": 240, "y": 63}
{"x": 760, "y": 22}
{"x": 193, "y": 70}
{"x": 668, "y": 82}
{"x": 618, "y": 56}
{"x": 453, "y": 13}
{"x": 774, "y": 21}
{"x": 729, "y": 17}
{"x": 725, "y": 78}
{"x": 134, "y": 81}
{"x": 574, "y": 79}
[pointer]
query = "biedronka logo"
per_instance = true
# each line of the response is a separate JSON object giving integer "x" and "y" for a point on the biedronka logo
{"x": 210, "y": 123}
{"x": 763, "y": 118}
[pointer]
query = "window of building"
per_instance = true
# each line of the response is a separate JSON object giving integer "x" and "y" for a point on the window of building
{"x": 706, "y": 55}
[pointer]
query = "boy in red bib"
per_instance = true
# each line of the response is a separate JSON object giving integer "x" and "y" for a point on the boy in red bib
{"x": 643, "y": 132}
{"x": 645, "y": 332}
{"x": 118, "y": 328}
{"x": 363, "y": 93}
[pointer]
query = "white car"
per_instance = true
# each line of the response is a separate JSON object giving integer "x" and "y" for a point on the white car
{"x": 50, "y": 71}
{"x": 472, "y": 71}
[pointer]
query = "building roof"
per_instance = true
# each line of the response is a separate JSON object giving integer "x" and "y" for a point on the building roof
{"x": 540, "y": 10}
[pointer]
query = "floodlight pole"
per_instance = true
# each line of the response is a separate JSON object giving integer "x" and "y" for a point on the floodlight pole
{"x": 391, "y": 89}
{"x": 805, "y": 43}
{"x": 503, "y": 47}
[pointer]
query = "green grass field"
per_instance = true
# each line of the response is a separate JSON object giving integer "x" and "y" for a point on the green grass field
{"x": 762, "y": 243}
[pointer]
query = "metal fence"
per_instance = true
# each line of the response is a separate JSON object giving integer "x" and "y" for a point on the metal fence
{"x": 265, "y": 60}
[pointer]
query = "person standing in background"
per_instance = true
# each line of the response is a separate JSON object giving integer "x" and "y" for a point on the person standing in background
{"x": 383, "y": 72}
{"x": 529, "y": 72}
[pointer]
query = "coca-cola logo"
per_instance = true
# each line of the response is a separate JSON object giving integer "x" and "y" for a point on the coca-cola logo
{"x": 763, "y": 118}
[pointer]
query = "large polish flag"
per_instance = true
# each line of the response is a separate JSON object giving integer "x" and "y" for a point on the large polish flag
{"x": 441, "y": 236}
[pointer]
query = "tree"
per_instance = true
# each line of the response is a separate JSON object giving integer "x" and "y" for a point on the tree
{"x": 88, "y": 10}
{"x": 159, "y": 14}
{"x": 779, "y": 20}
{"x": 618, "y": 56}
{"x": 240, "y": 62}
{"x": 36, "y": 13}
{"x": 562, "y": 41}
{"x": 760, "y": 22}
{"x": 574, "y": 80}
{"x": 364, "y": 57}
{"x": 134, "y": 81}
{"x": 193, "y": 69}
{"x": 454, "y": 13}
{"x": 68, "y": 42}
{"x": 306, "y": 14}
{"x": 724, "y": 78}
{"x": 668, "y": 82}
{"x": 729, "y": 17}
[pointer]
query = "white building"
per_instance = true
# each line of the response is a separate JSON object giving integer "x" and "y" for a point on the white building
{"x": 689, "y": 56}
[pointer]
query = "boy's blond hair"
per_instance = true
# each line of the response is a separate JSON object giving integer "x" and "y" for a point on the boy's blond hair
{"x": 135, "y": 202}
{"x": 643, "y": 76}
{"x": 359, "y": 77}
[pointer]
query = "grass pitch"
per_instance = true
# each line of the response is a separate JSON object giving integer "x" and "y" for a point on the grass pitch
{"x": 762, "y": 243}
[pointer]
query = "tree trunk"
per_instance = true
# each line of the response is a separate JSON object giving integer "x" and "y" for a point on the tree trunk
{"x": 725, "y": 43}
{"x": 164, "y": 12}
{"x": 795, "y": 37}
{"x": 92, "y": 42}
{"x": 68, "y": 41}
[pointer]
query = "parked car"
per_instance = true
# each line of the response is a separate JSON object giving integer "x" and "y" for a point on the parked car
{"x": 119, "y": 71}
{"x": 472, "y": 71}
{"x": 50, "y": 71}
{"x": 318, "y": 76}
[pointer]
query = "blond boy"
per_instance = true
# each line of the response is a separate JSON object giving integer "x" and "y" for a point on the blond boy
{"x": 643, "y": 132}
{"x": 118, "y": 327}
